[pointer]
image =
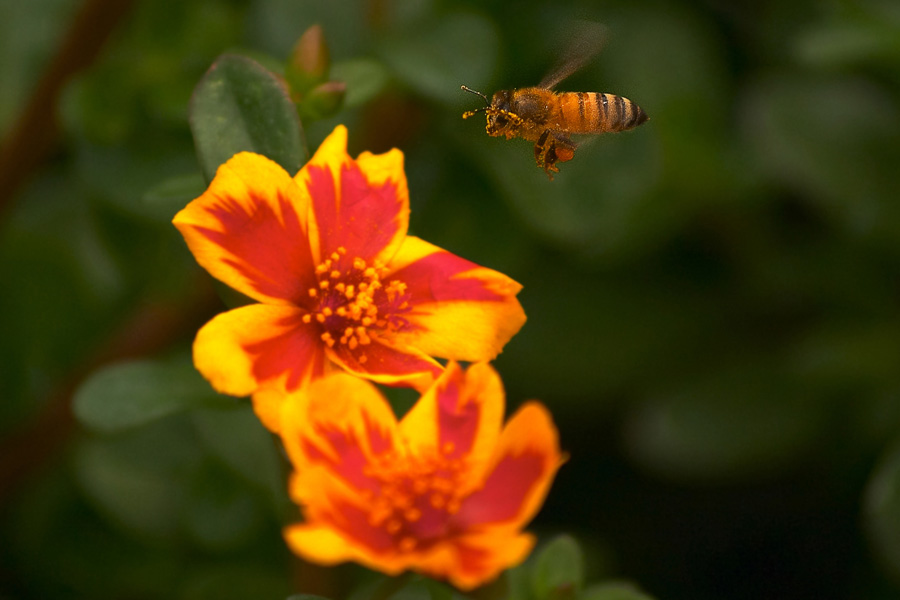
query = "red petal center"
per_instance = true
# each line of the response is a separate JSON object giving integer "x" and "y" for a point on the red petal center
{"x": 353, "y": 305}
{"x": 417, "y": 496}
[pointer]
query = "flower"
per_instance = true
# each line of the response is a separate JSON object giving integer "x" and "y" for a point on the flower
{"x": 444, "y": 492}
{"x": 338, "y": 281}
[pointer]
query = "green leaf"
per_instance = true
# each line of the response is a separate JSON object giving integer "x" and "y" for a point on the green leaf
{"x": 220, "y": 512}
{"x": 614, "y": 590}
{"x": 136, "y": 479}
{"x": 237, "y": 438}
{"x": 365, "y": 79}
{"x": 240, "y": 106}
{"x": 558, "y": 571}
{"x": 749, "y": 421}
{"x": 843, "y": 161}
{"x": 415, "y": 590}
{"x": 518, "y": 584}
{"x": 125, "y": 395}
{"x": 171, "y": 195}
{"x": 234, "y": 581}
{"x": 881, "y": 511}
{"x": 435, "y": 57}
{"x": 306, "y": 597}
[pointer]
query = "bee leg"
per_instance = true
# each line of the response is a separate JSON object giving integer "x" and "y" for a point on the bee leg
{"x": 553, "y": 147}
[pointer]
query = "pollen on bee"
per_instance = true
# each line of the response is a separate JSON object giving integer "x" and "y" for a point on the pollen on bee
{"x": 564, "y": 154}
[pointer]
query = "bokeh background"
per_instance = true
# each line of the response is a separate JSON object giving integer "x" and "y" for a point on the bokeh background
{"x": 713, "y": 298}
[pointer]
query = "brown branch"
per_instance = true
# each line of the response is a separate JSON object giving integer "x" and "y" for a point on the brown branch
{"x": 35, "y": 133}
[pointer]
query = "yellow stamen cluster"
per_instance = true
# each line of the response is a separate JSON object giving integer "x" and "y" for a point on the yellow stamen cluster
{"x": 346, "y": 306}
{"x": 411, "y": 486}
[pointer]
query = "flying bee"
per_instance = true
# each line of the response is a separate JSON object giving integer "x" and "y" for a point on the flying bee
{"x": 548, "y": 118}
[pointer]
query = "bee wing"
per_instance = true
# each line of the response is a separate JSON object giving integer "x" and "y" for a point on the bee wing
{"x": 585, "y": 39}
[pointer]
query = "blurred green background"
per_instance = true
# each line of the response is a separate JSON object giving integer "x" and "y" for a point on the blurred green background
{"x": 713, "y": 298}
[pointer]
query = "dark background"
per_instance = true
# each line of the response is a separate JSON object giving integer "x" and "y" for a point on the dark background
{"x": 713, "y": 298}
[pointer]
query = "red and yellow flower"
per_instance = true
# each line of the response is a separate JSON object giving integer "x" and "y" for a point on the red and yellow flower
{"x": 338, "y": 281}
{"x": 445, "y": 492}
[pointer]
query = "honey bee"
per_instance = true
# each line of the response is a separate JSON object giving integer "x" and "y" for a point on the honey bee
{"x": 548, "y": 118}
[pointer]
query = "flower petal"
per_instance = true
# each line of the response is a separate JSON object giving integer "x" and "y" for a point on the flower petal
{"x": 477, "y": 558}
{"x": 331, "y": 504}
{"x": 388, "y": 363}
{"x": 249, "y": 230}
{"x": 460, "y": 416}
{"x": 319, "y": 543}
{"x": 460, "y": 310}
{"x": 256, "y": 346}
{"x": 339, "y": 422}
{"x": 362, "y": 205}
{"x": 526, "y": 460}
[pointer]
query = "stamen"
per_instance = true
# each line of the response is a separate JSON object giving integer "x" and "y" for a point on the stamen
{"x": 412, "y": 514}
{"x": 453, "y": 506}
{"x": 354, "y": 305}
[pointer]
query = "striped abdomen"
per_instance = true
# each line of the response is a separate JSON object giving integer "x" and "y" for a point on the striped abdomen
{"x": 596, "y": 112}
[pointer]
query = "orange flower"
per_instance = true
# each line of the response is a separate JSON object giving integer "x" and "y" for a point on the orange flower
{"x": 444, "y": 492}
{"x": 339, "y": 283}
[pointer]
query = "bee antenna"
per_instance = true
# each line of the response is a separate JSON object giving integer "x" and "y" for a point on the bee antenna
{"x": 471, "y": 91}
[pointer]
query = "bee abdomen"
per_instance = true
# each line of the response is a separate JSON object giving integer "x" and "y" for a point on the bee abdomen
{"x": 618, "y": 113}
{"x": 597, "y": 112}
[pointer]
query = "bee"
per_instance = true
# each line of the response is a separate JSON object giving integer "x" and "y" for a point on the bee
{"x": 548, "y": 118}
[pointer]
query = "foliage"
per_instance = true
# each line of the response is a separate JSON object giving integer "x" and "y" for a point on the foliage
{"x": 713, "y": 312}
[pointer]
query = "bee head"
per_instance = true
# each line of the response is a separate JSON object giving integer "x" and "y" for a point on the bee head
{"x": 497, "y": 111}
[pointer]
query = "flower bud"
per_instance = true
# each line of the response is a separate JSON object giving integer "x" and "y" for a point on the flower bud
{"x": 309, "y": 62}
{"x": 322, "y": 101}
